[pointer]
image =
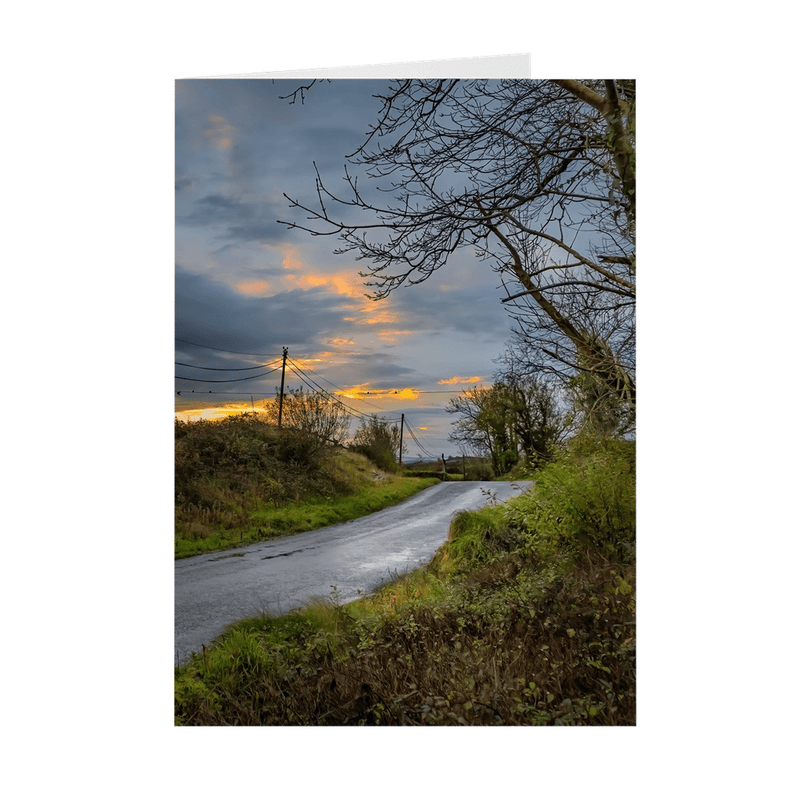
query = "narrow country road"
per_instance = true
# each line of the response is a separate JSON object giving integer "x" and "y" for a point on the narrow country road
{"x": 215, "y": 589}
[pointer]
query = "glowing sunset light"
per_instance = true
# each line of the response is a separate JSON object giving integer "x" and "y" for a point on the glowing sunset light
{"x": 391, "y": 336}
{"x": 253, "y": 288}
{"x": 358, "y": 393}
{"x": 216, "y": 412}
{"x": 291, "y": 260}
{"x": 246, "y": 288}
{"x": 343, "y": 283}
{"x": 473, "y": 379}
{"x": 307, "y": 362}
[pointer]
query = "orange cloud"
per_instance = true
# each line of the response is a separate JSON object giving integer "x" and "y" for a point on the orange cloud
{"x": 253, "y": 287}
{"x": 299, "y": 274}
{"x": 220, "y": 132}
{"x": 361, "y": 391}
{"x": 473, "y": 379}
{"x": 390, "y": 335}
{"x": 342, "y": 282}
{"x": 291, "y": 260}
{"x": 341, "y": 341}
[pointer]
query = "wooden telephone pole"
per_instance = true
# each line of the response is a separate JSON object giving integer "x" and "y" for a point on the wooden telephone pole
{"x": 402, "y": 421}
{"x": 283, "y": 379}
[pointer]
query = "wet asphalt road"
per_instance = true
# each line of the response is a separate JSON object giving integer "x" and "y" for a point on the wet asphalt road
{"x": 215, "y": 589}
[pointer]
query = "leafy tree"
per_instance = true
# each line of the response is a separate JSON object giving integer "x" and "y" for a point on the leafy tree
{"x": 539, "y": 424}
{"x": 513, "y": 418}
{"x": 596, "y": 412}
{"x": 378, "y": 440}
{"x": 535, "y": 177}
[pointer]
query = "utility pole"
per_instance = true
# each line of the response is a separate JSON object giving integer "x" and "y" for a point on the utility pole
{"x": 402, "y": 420}
{"x": 283, "y": 378}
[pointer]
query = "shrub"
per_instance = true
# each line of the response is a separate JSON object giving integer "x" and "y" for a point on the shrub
{"x": 379, "y": 441}
{"x": 588, "y": 498}
{"x": 480, "y": 472}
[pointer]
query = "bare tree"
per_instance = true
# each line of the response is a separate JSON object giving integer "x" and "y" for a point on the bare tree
{"x": 535, "y": 177}
{"x": 325, "y": 420}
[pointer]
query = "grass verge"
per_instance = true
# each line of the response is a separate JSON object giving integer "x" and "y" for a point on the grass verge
{"x": 526, "y": 616}
{"x": 266, "y": 521}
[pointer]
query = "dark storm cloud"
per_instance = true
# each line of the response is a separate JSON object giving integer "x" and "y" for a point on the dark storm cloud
{"x": 234, "y": 219}
{"x": 213, "y": 314}
{"x": 182, "y": 183}
{"x": 239, "y": 147}
{"x": 443, "y": 302}
{"x": 385, "y": 376}
{"x": 215, "y": 208}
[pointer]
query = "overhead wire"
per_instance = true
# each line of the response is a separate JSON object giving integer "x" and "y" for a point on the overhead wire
{"x": 419, "y": 444}
{"x": 230, "y": 380}
{"x": 237, "y": 394}
{"x": 225, "y": 369}
{"x": 314, "y": 386}
{"x": 234, "y": 352}
{"x": 340, "y": 388}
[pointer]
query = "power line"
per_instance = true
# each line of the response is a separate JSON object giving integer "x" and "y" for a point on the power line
{"x": 225, "y": 369}
{"x": 237, "y": 394}
{"x": 234, "y": 352}
{"x": 419, "y": 444}
{"x": 340, "y": 388}
{"x": 315, "y": 387}
{"x": 231, "y": 380}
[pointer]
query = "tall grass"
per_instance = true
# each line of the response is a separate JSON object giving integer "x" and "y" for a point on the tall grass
{"x": 241, "y": 480}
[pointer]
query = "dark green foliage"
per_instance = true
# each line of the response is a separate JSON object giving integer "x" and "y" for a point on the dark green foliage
{"x": 515, "y": 419}
{"x": 243, "y": 480}
{"x": 585, "y": 499}
{"x": 239, "y": 448}
{"x": 379, "y": 441}
{"x": 480, "y": 472}
{"x": 225, "y": 469}
{"x": 504, "y": 648}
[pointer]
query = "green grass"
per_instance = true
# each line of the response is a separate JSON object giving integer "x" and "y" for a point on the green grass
{"x": 520, "y": 619}
{"x": 267, "y": 522}
{"x": 526, "y": 616}
{"x": 241, "y": 480}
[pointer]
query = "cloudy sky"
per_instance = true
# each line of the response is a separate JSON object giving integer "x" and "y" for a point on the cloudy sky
{"x": 247, "y": 286}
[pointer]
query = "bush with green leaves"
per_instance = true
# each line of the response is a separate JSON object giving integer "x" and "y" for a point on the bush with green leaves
{"x": 585, "y": 499}
{"x": 379, "y": 441}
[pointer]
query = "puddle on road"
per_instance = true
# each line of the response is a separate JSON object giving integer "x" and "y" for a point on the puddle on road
{"x": 291, "y": 552}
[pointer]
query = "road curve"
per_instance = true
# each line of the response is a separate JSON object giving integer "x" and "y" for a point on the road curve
{"x": 216, "y": 589}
